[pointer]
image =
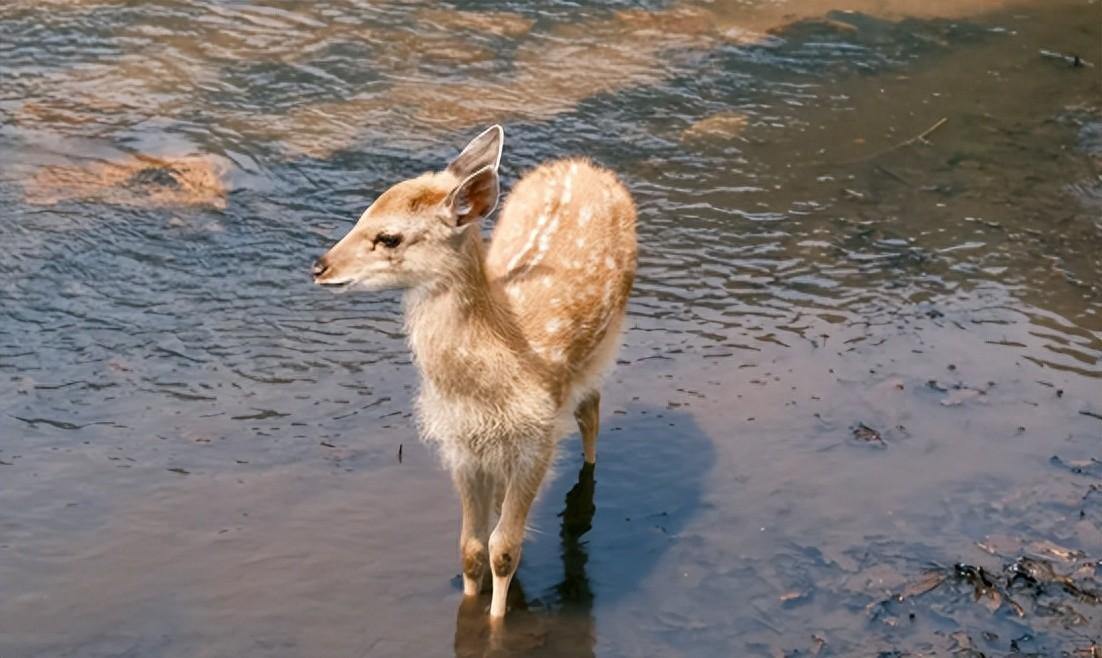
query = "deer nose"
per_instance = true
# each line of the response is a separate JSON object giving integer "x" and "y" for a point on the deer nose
{"x": 321, "y": 266}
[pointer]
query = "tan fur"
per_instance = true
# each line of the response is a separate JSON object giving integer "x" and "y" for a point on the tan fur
{"x": 511, "y": 342}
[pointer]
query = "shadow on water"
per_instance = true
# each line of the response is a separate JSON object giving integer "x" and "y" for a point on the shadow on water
{"x": 656, "y": 452}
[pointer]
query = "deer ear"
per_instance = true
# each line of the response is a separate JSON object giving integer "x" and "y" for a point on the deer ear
{"x": 483, "y": 151}
{"x": 474, "y": 198}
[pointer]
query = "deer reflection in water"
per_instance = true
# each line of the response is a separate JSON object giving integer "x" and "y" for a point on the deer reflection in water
{"x": 532, "y": 633}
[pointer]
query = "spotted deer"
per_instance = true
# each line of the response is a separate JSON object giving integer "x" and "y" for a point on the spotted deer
{"x": 512, "y": 339}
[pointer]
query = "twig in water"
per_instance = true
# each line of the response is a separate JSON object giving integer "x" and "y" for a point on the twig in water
{"x": 921, "y": 137}
{"x": 1075, "y": 60}
{"x": 892, "y": 174}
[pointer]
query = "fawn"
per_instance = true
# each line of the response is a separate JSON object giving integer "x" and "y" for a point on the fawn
{"x": 512, "y": 339}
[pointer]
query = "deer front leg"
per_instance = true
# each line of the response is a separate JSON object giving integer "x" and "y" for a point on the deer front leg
{"x": 506, "y": 540}
{"x": 476, "y": 492}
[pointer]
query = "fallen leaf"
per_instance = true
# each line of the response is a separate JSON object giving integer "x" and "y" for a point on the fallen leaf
{"x": 863, "y": 432}
{"x": 928, "y": 581}
{"x": 1046, "y": 547}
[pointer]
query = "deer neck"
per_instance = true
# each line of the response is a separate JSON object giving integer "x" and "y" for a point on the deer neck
{"x": 463, "y": 337}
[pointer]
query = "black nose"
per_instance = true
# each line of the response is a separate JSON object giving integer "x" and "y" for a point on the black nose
{"x": 320, "y": 266}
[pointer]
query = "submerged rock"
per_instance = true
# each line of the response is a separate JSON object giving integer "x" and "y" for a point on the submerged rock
{"x": 141, "y": 181}
{"x": 724, "y": 125}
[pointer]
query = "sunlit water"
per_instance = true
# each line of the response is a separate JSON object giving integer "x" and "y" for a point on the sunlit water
{"x": 889, "y": 220}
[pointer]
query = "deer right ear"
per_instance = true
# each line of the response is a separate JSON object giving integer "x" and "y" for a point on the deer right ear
{"x": 474, "y": 198}
{"x": 483, "y": 151}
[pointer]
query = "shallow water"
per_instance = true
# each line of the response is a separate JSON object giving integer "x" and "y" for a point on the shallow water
{"x": 203, "y": 455}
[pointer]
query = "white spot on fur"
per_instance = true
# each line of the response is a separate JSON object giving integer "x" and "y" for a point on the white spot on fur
{"x": 609, "y": 263}
{"x": 552, "y": 325}
{"x": 545, "y": 242}
{"x": 567, "y": 185}
{"x": 585, "y": 215}
{"x": 533, "y": 237}
{"x": 580, "y": 242}
{"x": 545, "y": 282}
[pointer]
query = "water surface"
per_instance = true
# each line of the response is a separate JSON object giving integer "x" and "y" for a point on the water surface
{"x": 865, "y": 343}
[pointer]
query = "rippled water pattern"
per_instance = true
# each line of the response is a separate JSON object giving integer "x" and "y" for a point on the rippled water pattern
{"x": 887, "y": 217}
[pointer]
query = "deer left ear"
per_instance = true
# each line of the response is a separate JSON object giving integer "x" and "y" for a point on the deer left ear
{"x": 483, "y": 151}
{"x": 474, "y": 198}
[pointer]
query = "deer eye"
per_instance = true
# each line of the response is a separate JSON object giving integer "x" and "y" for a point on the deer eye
{"x": 388, "y": 240}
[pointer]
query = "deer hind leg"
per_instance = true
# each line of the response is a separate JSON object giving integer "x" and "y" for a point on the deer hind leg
{"x": 507, "y": 537}
{"x": 476, "y": 492}
{"x": 588, "y": 415}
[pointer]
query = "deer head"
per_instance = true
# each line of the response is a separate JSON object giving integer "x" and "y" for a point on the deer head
{"x": 413, "y": 234}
